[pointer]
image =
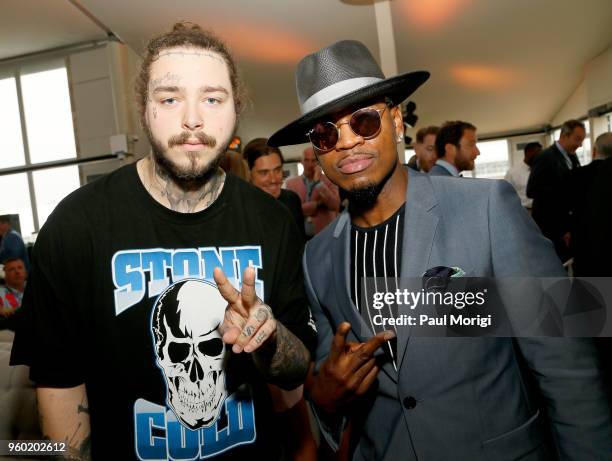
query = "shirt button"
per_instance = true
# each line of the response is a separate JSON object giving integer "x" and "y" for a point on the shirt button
{"x": 410, "y": 403}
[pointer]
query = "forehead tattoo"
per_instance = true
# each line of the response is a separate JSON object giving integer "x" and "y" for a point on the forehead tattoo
{"x": 168, "y": 79}
{"x": 191, "y": 53}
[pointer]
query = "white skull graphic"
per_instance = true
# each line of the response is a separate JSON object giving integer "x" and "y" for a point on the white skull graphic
{"x": 190, "y": 350}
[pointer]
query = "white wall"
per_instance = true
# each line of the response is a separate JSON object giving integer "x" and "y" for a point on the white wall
{"x": 595, "y": 89}
{"x": 102, "y": 99}
{"x": 599, "y": 79}
{"x": 576, "y": 106}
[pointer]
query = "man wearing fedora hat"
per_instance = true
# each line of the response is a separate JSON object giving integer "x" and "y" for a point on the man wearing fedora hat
{"x": 410, "y": 397}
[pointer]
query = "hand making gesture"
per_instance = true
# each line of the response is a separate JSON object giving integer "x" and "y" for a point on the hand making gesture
{"x": 348, "y": 372}
{"x": 248, "y": 322}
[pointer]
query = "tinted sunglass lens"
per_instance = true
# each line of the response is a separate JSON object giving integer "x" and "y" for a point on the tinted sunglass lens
{"x": 324, "y": 136}
{"x": 365, "y": 122}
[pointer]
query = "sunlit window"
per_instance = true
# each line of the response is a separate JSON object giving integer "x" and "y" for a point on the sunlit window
{"x": 584, "y": 153}
{"x": 408, "y": 153}
{"x": 15, "y": 199}
{"x": 493, "y": 159}
{"x": 47, "y": 113}
{"x": 51, "y": 186}
{"x": 11, "y": 141}
{"x": 46, "y": 100}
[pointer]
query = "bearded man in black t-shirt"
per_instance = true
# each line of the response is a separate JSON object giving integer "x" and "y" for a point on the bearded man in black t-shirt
{"x": 165, "y": 297}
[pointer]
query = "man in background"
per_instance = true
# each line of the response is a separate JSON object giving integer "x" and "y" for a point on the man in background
{"x": 266, "y": 172}
{"x": 547, "y": 186}
{"x": 585, "y": 195}
{"x": 11, "y": 245}
{"x": 519, "y": 173}
{"x": 320, "y": 198}
{"x": 456, "y": 149}
{"x": 425, "y": 148}
{"x": 11, "y": 292}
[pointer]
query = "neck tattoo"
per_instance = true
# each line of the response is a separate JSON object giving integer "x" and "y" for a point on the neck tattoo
{"x": 184, "y": 198}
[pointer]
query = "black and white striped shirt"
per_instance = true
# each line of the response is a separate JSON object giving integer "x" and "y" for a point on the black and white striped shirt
{"x": 376, "y": 253}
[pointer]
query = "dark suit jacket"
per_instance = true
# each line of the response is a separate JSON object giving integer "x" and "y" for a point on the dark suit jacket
{"x": 585, "y": 223}
{"x": 547, "y": 186}
{"x": 591, "y": 189}
{"x": 463, "y": 398}
{"x": 598, "y": 214}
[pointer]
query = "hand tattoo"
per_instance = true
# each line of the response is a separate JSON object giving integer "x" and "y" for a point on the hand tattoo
{"x": 248, "y": 331}
{"x": 261, "y": 336}
{"x": 285, "y": 363}
{"x": 262, "y": 313}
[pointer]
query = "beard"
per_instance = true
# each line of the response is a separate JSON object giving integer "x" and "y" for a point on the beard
{"x": 193, "y": 173}
{"x": 464, "y": 163}
{"x": 365, "y": 196}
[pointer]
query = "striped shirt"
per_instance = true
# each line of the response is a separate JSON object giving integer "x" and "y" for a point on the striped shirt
{"x": 376, "y": 254}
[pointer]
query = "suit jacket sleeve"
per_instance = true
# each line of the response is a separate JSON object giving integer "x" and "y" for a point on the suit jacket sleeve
{"x": 542, "y": 177}
{"x": 325, "y": 333}
{"x": 566, "y": 369}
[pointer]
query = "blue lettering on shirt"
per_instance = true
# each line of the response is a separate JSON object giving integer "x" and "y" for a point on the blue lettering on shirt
{"x": 167, "y": 266}
{"x": 160, "y": 436}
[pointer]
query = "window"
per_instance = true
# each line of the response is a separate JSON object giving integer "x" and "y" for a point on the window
{"x": 408, "y": 153}
{"x": 46, "y": 115}
{"x": 555, "y": 135}
{"x": 51, "y": 186}
{"x": 46, "y": 101}
{"x": 493, "y": 159}
{"x": 15, "y": 199}
{"x": 584, "y": 152}
{"x": 11, "y": 141}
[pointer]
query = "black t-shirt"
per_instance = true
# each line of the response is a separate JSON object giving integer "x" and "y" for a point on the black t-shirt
{"x": 122, "y": 298}
{"x": 293, "y": 203}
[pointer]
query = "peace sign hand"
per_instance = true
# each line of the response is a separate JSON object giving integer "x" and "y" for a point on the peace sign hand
{"x": 248, "y": 322}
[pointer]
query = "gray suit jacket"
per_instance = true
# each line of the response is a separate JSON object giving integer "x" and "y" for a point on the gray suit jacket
{"x": 439, "y": 170}
{"x": 464, "y": 398}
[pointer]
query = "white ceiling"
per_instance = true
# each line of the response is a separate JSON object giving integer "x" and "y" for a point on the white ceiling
{"x": 29, "y": 26}
{"x": 500, "y": 64}
{"x": 504, "y": 65}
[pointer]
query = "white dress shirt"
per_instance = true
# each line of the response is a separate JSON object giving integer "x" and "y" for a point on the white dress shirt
{"x": 518, "y": 176}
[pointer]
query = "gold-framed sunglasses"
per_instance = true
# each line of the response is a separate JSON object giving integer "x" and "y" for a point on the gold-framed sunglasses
{"x": 365, "y": 122}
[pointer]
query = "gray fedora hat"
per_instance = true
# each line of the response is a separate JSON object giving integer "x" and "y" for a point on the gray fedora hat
{"x": 339, "y": 76}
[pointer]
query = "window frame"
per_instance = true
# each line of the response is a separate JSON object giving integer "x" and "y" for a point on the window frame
{"x": 17, "y": 71}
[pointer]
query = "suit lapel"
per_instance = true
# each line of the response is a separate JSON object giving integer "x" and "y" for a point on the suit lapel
{"x": 420, "y": 222}
{"x": 342, "y": 279}
{"x": 341, "y": 265}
